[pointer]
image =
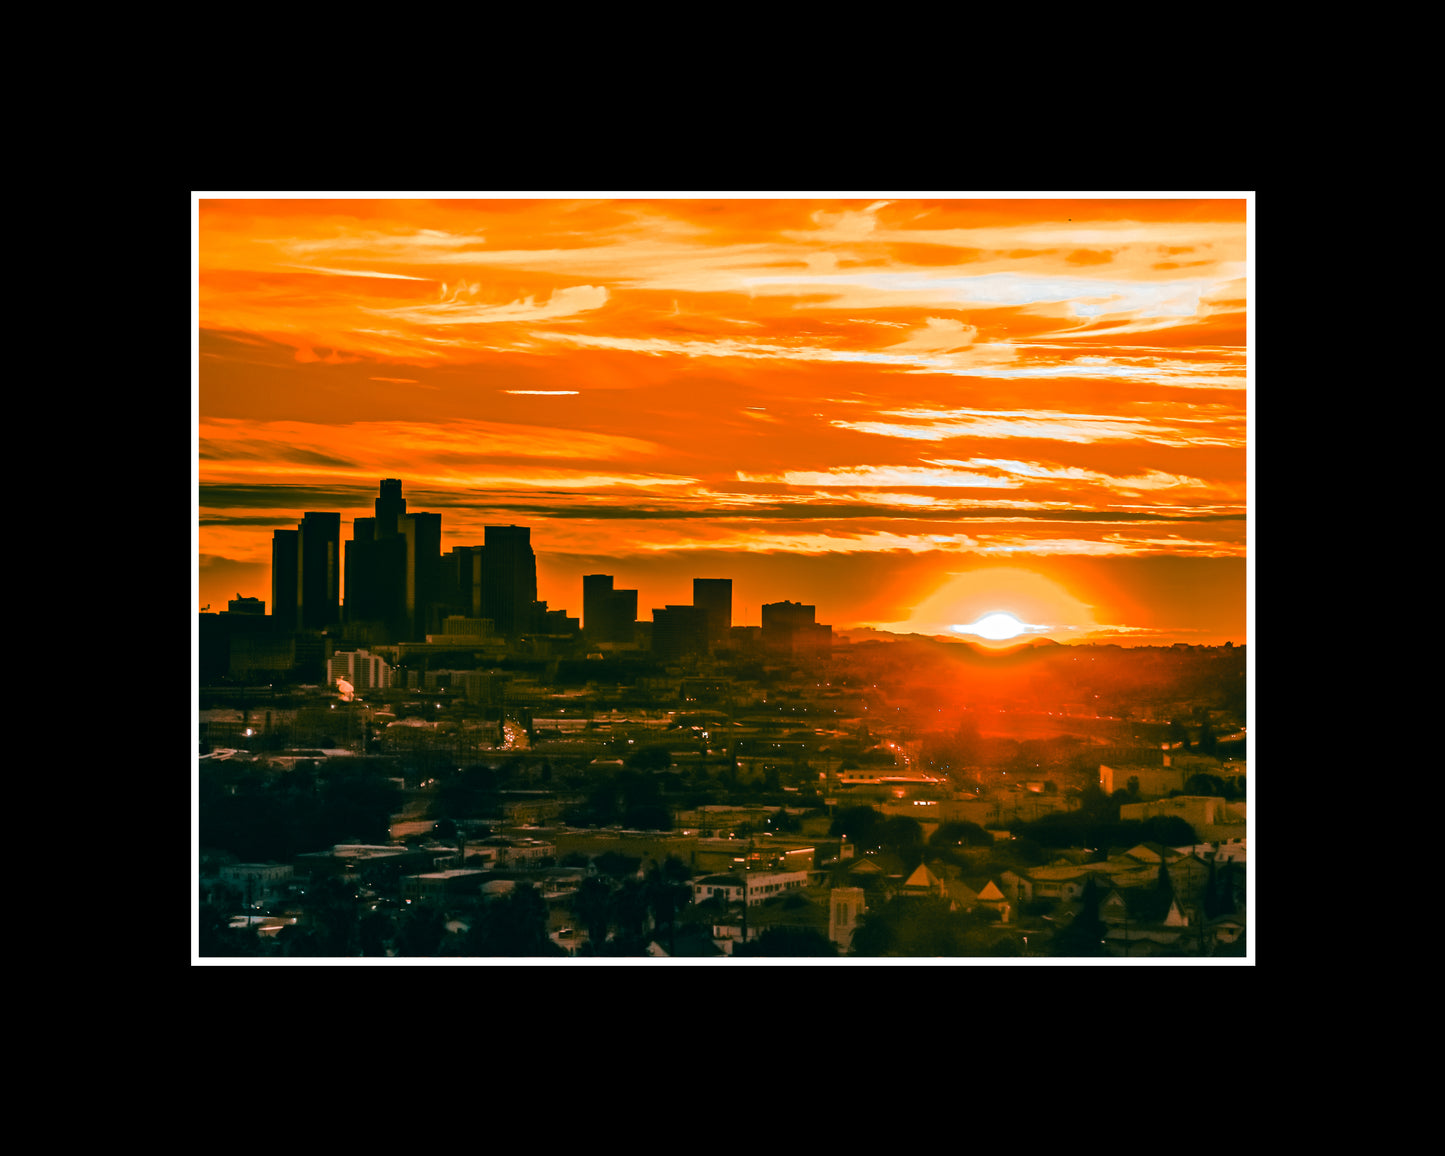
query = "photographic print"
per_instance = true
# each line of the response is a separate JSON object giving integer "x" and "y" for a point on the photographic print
{"x": 722, "y": 579}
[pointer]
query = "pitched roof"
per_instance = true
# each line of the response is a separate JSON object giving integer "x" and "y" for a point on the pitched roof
{"x": 922, "y": 877}
{"x": 1153, "y": 852}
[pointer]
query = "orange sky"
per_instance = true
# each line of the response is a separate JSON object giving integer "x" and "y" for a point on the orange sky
{"x": 908, "y": 412}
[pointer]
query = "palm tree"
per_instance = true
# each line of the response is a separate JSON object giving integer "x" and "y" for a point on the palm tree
{"x": 591, "y": 907}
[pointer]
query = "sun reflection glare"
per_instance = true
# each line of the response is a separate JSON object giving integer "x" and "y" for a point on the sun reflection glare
{"x": 996, "y": 626}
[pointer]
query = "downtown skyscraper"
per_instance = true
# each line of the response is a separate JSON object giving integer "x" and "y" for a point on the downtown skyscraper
{"x": 393, "y": 570}
{"x": 306, "y": 573}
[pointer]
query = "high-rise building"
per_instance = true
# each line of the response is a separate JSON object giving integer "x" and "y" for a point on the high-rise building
{"x": 621, "y": 608}
{"x": 715, "y": 596}
{"x": 318, "y": 574}
{"x": 790, "y": 627}
{"x": 462, "y": 588}
{"x": 364, "y": 670}
{"x": 285, "y": 550}
{"x": 608, "y": 615}
{"x": 678, "y": 631}
{"x": 423, "y": 534}
{"x": 510, "y": 583}
{"x": 595, "y": 589}
{"x": 393, "y": 571}
{"x": 390, "y": 508}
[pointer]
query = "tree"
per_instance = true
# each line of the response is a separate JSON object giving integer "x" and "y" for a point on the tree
{"x": 617, "y": 865}
{"x": 903, "y": 837}
{"x": 1083, "y": 936}
{"x": 959, "y": 833}
{"x": 666, "y": 896}
{"x": 913, "y": 926}
{"x": 512, "y": 926}
{"x": 862, "y": 826}
{"x": 591, "y": 906}
{"x": 420, "y": 930}
{"x": 630, "y": 909}
{"x": 654, "y": 757}
{"x": 788, "y": 943}
{"x": 1169, "y": 830}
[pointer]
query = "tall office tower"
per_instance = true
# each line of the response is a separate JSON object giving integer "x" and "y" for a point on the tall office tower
{"x": 285, "y": 554}
{"x": 423, "y": 534}
{"x": 511, "y": 577}
{"x": 595, "y": 589}
{"x": 390, "y": 508}
{"x": 356, "y": 570}
{"x": 791, "y": 627}
{"x": 461, "y": 581}
{"x": 318, "y": 574}
{"x": 678, "y": 631}
{"x": 608, "y": 615}
{"x": 383, "y": 582}
{"x": 715, "y": 595}
{"x": 620, "y": 611}
{"x": 376, "y": 583}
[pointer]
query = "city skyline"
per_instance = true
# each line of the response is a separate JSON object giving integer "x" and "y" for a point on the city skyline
{"x": 910, "y": 412}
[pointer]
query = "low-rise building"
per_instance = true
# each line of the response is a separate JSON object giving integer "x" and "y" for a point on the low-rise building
{"x": 257, "y": 882}
{"x": 441, "y": 886}
{"x": 751, "y": 887}
{"x": 1212, "y": 818}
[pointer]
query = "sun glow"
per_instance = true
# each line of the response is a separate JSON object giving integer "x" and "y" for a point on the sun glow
{"x": 995, "y": 627}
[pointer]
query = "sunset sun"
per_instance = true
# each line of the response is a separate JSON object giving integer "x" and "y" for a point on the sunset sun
{"x": 995, "y": 627}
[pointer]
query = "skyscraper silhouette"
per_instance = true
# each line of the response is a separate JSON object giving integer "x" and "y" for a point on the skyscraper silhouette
{"x": 462, "y": 590}
{"x": 510, "y": 569}
{"x": 390, "y": 507}
{"x": 423, "y": 535}
{"x": 318, "y": 575}
{"x": 792, "y": 628}
{"x": 608, "y": 615}
{"x": 679, "y": 631}
{"x": 393, "y": 570}
{"x": 595, "y": 588}
{"x": 715, "y": 596}
{"x": 285, "y": 547}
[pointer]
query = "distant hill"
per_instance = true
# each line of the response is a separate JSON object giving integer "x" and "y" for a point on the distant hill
{"x": 869, "y": 634}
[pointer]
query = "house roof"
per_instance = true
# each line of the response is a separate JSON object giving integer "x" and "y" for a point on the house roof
{"x": 1143, "y": 904}
{"x": 922, "y": 877}
{"x": 1153, "y": 852}
{"x": 1056, "y": 874}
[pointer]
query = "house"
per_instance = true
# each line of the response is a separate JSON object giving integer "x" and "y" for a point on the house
{"x": 992, "y": 898}
{"x": 924, "y": 882}
{"x": 1142, "y": 921}
{"x": 1064, "y": 881}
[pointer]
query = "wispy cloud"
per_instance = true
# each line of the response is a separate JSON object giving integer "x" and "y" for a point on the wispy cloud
{"x": 356, "y": 273}
{"x": 454, "y": 310}
{"x": 1077, "y": 428}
